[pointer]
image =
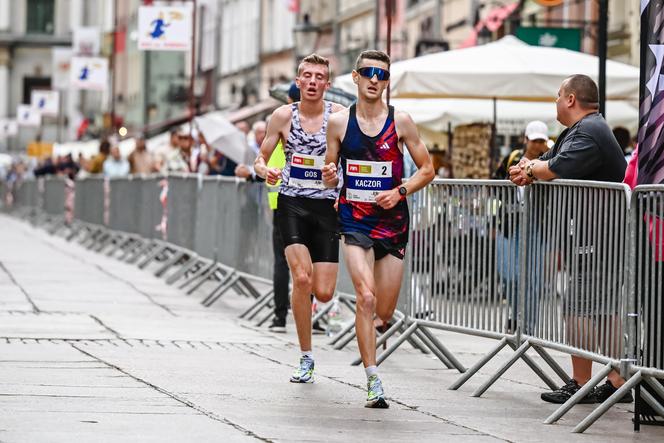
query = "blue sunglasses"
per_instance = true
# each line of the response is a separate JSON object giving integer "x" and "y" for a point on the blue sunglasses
{"x": 370, "y": 71}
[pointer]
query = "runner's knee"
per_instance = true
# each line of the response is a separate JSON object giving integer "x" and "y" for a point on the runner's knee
{"x": 366, "y": 301}
{"x": 384, "y": 313}
{"x": 324, "y": 295}
{"x": 302, "y": 279}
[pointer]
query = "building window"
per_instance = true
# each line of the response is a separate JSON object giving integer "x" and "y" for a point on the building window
{"x": 41, "y": 15}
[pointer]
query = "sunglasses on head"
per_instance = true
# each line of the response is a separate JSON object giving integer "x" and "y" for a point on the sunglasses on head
{"x": 370, "y": 71}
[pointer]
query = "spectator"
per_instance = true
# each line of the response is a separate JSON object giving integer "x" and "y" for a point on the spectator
{"x": 535, "y": 141}
{"x": 47, "y": 167}
{"x": 586, "y": 150}
{"x": 246, "y": 171}
{"x": 115, "y": 166}
{"x": 140, "y": 159}
{"x": 174, "y": 160}
{"x": 96, "y": 165}
{"x": 67, "y": 166}
{"x": 624, "y": 139}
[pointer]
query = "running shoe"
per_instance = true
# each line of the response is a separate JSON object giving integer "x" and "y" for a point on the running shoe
{"x": 277, "y": 325}
{"x": 603, "y": 392}
{"x": 305, "y": 373}
{"x": 375, "y": 394}
{"x": 317, "y": 329}
{"x": 565, "y": 392}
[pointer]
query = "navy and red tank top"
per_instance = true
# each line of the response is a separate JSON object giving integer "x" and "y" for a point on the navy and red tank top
{"x": 371, "y": 165}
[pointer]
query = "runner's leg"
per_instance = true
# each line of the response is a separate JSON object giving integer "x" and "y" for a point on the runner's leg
{"x": 301, "y": 268}
{"x": 360, "y": 263}
{"x": 388, "y": 273}
{"x": 324, "y": 280}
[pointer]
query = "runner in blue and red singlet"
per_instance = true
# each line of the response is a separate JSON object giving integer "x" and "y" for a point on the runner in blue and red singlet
{"x": 367, "y": 142}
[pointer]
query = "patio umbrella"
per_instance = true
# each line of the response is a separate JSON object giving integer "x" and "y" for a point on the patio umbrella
{"x": 223, "y": 136}
{"x": 507, "y": 69}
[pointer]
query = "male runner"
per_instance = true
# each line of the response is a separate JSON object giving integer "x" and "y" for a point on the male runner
{"x": 369, "y": 138}
{"x": 307, "y": 220}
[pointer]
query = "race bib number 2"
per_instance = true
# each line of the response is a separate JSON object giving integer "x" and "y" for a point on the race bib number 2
{"x": 367, "y": 179}
{"x": 305, "y": 171}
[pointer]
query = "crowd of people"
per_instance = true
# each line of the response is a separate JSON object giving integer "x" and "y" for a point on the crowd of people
{"x": 187, "y": 152}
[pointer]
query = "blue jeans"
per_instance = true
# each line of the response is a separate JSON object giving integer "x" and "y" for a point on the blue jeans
{"x": 508, "y": 255}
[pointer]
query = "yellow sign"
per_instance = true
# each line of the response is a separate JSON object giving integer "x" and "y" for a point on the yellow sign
{"x": 40, "y": 149}
{"x": 549, "y": 3}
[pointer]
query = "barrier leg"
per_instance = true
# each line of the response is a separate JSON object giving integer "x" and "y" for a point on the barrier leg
{"x": 479, "y": 365}
{"x": 204, "y": 272}
{"x": 383, "y": 338}
{"x": 456, "y": 364}
{"x": 539, "y": 372}
{"x": 423, "y": 338}
{"x": 344, "y": 331}
{"x": 601, "y": 409}
{"x": 552, "y": 363}
{"x": 395, "y": 345}
{"x": 152, "y": 256}
{"x": 177, "y": 255}
{"x": 574, "y": 399}
{"x": 657, "y": 387}
{"x": 186, "y": 267}
{"x": 135, "y": 254}
{"x": 268, "y": 315}
{"x": 516, "y": 356}
{"x": 220, "y": 290}
{"x": 349, "y": 337}
{"x": 265, "y": 302}
{"x": 256, "y": 305}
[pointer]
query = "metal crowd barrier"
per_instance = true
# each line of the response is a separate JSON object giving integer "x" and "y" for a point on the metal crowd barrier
{"x": 54, "y": 196}
{"x": 572, "y": 266}
{"x": 89, "y": 200}
{"x": 646, "y": 297}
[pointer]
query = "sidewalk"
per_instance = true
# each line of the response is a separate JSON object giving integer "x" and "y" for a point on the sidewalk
{"x": 92, "y": 349}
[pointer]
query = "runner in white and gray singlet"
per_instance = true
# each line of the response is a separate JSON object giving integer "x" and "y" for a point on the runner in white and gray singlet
{"x": 305, "y": 154}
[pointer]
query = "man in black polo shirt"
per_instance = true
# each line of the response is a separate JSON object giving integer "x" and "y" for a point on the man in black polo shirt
{"x": 586, "y": 150}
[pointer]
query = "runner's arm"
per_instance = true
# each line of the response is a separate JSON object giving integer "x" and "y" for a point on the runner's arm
{"x": 279, "y": 119}
{"x": 330, "y": 176}
{"x": 418, "y": 151}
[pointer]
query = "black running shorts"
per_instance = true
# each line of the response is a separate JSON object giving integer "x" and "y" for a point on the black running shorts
{"x": 310, "y": 222}
{"x": 381, "y": 248}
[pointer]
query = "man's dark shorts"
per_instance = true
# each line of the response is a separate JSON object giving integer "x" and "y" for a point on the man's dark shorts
{"x": 310, "y": 222}
{"x": 381, "y": 248}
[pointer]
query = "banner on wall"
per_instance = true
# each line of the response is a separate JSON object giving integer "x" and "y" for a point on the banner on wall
{"x": 61, "y": 59}
{"x": 26, "y": 115}
{"x": 165, "y": 28}
{"x": 8, "y": 127}
{"x": 89, "y": 73}
{"x": 46, "y": 102}
{"x": 86, "y": 41}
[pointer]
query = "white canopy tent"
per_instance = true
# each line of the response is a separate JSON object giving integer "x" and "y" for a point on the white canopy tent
{"x": 506, "y": 69}
{"x": 437, "y": 114}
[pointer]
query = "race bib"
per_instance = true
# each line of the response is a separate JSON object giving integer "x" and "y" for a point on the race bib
{"x": 305, "y": 171}
{"x": 366, "y": 179}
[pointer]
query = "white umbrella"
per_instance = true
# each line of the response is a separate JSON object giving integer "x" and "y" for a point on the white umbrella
{"x": 223, "y": 136}
{"x": 507, "y": 69}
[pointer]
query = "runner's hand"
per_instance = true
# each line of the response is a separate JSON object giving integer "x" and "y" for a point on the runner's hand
{"x": 388, "y": 199}
{"x": 329, "y": 172}
{"x": 273, "y": 176}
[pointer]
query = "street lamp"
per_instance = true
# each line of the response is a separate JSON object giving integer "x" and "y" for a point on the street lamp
{"x": 305, "y": 36}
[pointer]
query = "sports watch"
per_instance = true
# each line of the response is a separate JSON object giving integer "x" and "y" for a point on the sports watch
{"x": 403, "y": 191}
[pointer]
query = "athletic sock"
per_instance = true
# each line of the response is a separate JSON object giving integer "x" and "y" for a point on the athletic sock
{"x": 308, "y": 354}
{"x": 371, "y": 370}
